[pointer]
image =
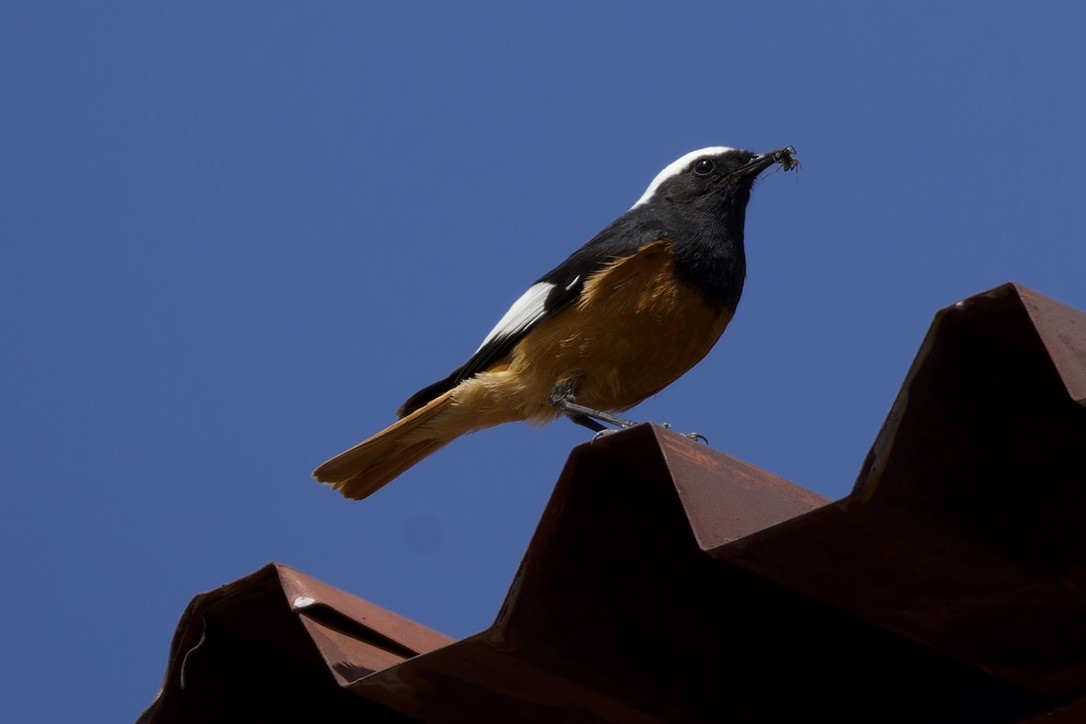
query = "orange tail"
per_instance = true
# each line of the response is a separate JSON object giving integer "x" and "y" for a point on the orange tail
{"x": 373, "y": 463}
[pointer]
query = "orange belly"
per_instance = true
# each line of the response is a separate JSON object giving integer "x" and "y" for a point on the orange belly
{"x": 635, "y": 330}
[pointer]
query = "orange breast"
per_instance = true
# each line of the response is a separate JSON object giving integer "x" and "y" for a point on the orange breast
{"x": 635, "y": 330}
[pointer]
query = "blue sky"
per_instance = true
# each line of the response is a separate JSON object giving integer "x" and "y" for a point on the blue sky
{"x": 235, "y": 237}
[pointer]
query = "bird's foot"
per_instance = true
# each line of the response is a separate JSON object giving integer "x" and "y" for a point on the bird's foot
{"x": 691, "y": 435}
{"x": 562, "y": 398}
{"x": 603, "y": 433}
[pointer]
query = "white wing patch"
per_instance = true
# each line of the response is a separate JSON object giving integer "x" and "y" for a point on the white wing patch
{"x": 676, "y": 167}
{"x": 525, "y": 312}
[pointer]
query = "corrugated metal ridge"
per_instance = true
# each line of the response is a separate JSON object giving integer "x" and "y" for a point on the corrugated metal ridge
{"x": 669, "y": 582}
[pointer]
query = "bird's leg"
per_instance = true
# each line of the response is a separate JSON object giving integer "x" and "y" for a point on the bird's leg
{"x": 586, "y": 421}
{"x": 575, "y": 411}
{"x": 562, "y": 398}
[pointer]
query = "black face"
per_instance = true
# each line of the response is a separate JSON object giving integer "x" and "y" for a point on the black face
{"x": 712, "y": 177}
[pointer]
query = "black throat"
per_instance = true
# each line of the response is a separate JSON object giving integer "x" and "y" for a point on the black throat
{"x": 708, "y": 246}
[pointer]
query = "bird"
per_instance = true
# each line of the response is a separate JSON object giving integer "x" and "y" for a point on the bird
{"x": 625, "y": 315}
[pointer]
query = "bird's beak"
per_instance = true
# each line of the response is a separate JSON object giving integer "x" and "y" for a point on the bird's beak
{"x": 786, "y": 157}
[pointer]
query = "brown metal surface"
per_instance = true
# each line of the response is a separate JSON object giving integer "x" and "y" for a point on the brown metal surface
{"x": 668, "y": 582}
{"x": 1062, "y": 330}
{"x": 1070, "y": 714}
{"x": 270, "y": 647}
{"x": 965, "y": 529}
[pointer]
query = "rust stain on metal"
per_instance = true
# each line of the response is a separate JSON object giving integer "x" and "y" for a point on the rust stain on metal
{"x": 752, "y": 499}
{"x": 1062, "y": 329}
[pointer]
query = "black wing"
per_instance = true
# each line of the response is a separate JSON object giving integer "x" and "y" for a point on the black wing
{"x": 550, "y": 294}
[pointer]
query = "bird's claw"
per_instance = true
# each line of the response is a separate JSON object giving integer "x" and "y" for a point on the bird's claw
{"x": 691, "y": 435}
{"x": 602, "y": 433}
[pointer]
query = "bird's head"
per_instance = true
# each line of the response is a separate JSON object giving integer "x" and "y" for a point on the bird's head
{"x": 712, "y": 177}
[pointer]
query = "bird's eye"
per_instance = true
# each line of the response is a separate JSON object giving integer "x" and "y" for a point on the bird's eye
{"x": 704, "y": 167}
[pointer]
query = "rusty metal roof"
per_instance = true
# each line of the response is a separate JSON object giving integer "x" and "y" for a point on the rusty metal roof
{"x": 669, "y": 582}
